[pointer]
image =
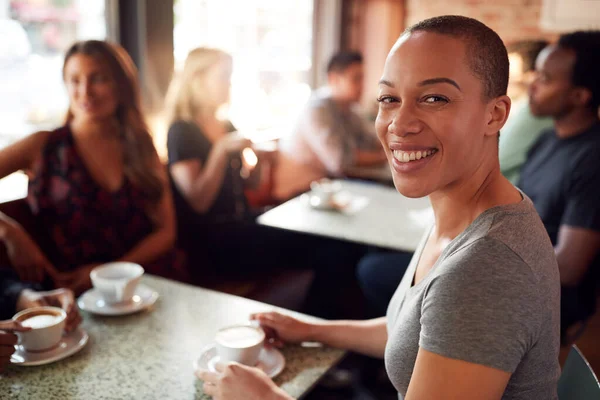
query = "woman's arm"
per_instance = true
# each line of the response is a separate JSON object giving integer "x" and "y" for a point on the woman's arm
{"x": 25, "y": 255}
{"x": 439, "y": 377}
{"x": 200, "y": 184}
{"x": 22, "y": 154}
{"x": 366, "y": 337}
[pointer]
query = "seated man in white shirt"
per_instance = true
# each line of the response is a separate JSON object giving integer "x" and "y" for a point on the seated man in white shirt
{"x": 330, "y": 135}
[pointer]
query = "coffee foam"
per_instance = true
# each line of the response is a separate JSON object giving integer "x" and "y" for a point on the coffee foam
{"x": 239, "y": 336}
{"x": 40, "y": 321}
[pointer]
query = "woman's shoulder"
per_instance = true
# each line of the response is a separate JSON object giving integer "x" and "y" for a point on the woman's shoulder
{"x": 40, "y": 142}
{"x": 513, "y": 248}
{"x": 182, "y": 128}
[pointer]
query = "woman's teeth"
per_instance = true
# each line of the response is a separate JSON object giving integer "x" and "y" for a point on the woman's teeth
{"x": 408, "y": 156}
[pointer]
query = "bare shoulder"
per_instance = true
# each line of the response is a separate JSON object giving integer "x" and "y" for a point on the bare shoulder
{"x": 23, "y": 153}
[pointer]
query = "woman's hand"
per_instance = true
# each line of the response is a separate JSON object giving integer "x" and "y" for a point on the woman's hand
{"x": 233, "y": 143}
{"x": 62, "y": 298}
{"x": 236, "y": 381}
{"x": 25, "y": 255}
{"x": 8, "y": 340}
{"x": 281, "y": 328}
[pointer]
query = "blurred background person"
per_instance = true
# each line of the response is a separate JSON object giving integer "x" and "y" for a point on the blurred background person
{"x": 205, "y": 161}
{"x": 97, "y": 188}
{"x": 562, "y": 171}
{"x": 331, "y": 133}
{"x": 522, "y": 128}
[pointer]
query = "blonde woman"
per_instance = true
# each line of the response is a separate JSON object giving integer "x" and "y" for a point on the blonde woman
{"x": 204, "y": 153}
{"x": 214, "y": 226}
{"x": 97, "y": 187}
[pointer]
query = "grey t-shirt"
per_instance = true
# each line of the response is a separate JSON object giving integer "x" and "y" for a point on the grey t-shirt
{"x": 492, "y": 298}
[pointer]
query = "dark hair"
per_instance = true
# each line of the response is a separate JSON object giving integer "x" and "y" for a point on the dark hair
{"x": 586, "y": 45}
{"x": 528, "y": 50}
{"x": 486, "y": 53}
{"x": 342, "y": 60}
{"x": 138, "y": 148}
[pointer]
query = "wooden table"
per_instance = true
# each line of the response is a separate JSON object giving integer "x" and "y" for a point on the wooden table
{"x": 388, "y": 219}
{"x": 150, "y": 355}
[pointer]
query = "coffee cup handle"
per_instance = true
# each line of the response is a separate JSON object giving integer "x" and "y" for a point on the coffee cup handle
{"x": 119, "y": 289}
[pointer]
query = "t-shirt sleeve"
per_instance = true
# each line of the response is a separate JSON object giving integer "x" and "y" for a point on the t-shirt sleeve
{"x": 583, "y": 203}
{"x": 483, "y": 309}
{"x": 184, "y": 142}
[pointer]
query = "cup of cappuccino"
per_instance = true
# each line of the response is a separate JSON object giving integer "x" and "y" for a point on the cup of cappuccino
{"x": 46, "y": 323}
{"x": 240, "y": 343}
{"x": 116, "y": 281}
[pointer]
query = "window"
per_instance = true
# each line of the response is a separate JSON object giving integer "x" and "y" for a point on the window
{"x": 34, "y": 35}
{"x": 272, "y": 57}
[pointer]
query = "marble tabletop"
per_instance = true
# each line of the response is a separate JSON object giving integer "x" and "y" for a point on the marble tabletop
{"x": 378, "y": 216}
{"x": 149, "y": 355}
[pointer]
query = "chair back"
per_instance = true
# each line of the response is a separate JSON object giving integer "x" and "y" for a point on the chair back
{"x": 578, "y": 381}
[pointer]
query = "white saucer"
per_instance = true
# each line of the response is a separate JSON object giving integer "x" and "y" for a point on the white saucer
{"x": 69, "y": 345}
{"x": 271, "y": 361}
{"x": 91, "y": 301}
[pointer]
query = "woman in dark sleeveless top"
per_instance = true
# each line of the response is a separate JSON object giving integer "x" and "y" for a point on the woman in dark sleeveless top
{"x": 97, "y": 187}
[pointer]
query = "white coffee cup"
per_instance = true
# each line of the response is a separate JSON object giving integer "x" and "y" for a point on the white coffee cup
{"x": 116, "y": 281}
{"x": 240, "y": 343}
{"x": 47, "y": 325}
{"x": 324, "y": 190}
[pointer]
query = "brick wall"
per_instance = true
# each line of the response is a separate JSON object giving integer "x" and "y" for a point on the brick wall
{"x": 512, "y": 19}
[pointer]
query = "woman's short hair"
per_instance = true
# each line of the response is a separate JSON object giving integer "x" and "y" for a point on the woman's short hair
{"x": 486, "y": 54}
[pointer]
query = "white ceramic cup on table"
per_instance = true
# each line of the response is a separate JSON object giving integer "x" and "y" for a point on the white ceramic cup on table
{"x": 324, "y": 190}
{"x": 116, "y": 281}
{"x": 47, "y": 325}
{"x": 240, "y": 343}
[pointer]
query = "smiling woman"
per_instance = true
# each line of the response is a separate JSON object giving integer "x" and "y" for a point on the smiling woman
{"x": 477, "y": 313}
{"x": 97, "y": 188}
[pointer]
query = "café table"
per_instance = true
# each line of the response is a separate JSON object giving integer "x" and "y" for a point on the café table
{"x": 378, "y": 216}
{"x": 150, "y": 355}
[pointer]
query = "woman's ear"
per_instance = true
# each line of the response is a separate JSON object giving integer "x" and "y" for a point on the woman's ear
{"x": 499, "y": 108}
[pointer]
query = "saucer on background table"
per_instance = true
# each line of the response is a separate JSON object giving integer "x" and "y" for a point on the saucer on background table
{"x": 271, "y": 361}
{"x": 91, "y": 301}
{"x": 68, "y": 345}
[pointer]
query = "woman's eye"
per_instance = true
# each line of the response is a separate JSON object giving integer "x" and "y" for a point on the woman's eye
{"x": 98, "y": 79}
{"x": 386, "y": 99}
{"x": 435, "y": 99}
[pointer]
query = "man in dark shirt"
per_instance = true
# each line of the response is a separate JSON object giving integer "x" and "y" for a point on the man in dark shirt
{"x": 562, "y": 172}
